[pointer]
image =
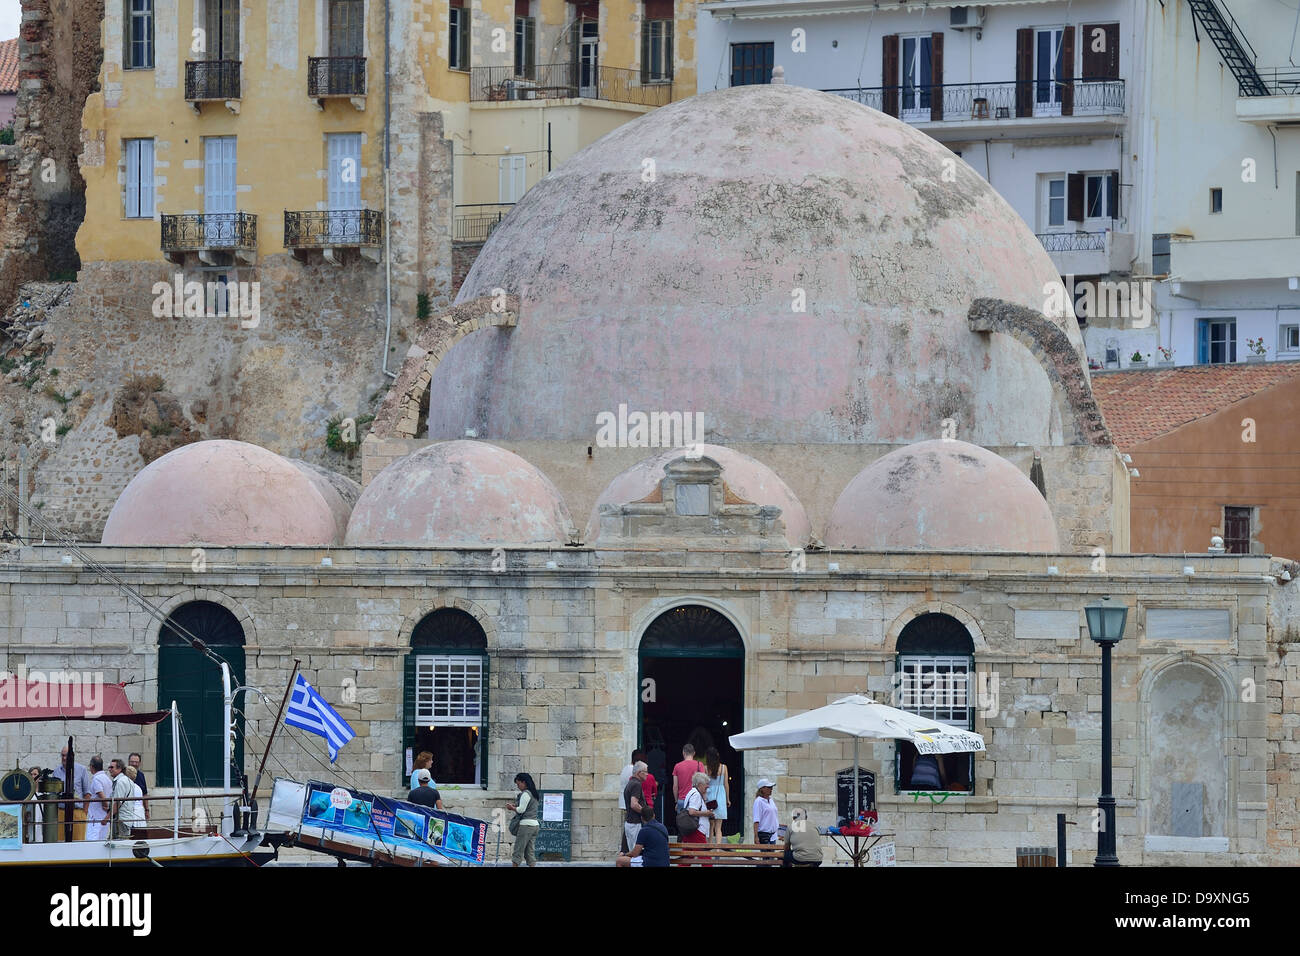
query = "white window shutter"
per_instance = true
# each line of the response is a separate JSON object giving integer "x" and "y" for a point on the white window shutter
{"x": 132, "y": 178}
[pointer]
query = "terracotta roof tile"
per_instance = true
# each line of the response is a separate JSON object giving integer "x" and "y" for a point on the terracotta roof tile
{"x": 1143, "y": 404}
{"x": 9, "y": 66}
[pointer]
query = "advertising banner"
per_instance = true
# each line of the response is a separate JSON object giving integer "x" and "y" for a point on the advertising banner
{"x": 394, "y": 823}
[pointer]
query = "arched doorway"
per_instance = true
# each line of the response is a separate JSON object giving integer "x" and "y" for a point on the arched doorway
{"x": 445, "y": 701}
{"x": 691, "y": 689}
{"x": 934, "y": 668}
{"x": 194, "y": 682}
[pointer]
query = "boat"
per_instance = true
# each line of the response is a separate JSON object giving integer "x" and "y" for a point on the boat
{"x": 228, "y": 841}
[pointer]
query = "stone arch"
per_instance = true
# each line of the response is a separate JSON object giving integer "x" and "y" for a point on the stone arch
{"x": 1080, "y": 417}
{"x": 216, "y": 597}
{"x": 935, "y": 607}
{"x": 399, "y": 415}
{"x": 1198, "y": 752}
{"x": 653, "y": 610}
{"x": 459, "y": 603}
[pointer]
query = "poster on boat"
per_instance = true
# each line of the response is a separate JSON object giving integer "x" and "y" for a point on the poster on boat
{"x": 394, "y": 822}
{"x": 11, "y": 828}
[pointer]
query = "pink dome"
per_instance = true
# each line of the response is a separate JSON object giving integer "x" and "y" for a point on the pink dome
{"x": 339, "y": 491}
{"x": 460, "y": 492}
{"x": 222, "y": 493}
{"x": 942, "y": 496}
{"x": 748, "y": 477}
{"x": 685, "y": 290}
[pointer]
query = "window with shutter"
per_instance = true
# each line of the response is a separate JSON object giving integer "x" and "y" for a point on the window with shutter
{"x": 139, "y": 179}
{"x": 933, "y": 680}
{"x": 222, "y": 36}
{"x": 346, "y": 36}
{"x": 1100, "y": 56}
{"x": 890, "y": 79}
{"x": 446, "y": 696}
{"x": 751, "y": 63}
{"x": 656, "y": 50}
{"x": 1024, "y": 72}
{"x": 525, "y": 47}
{"x": 1237, "y": 524}
{"x": 458, "y": 36}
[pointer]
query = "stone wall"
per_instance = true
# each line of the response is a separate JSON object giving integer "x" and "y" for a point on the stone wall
{"x": 564, "y": 674}
{"x": 59, "y": 58}
{"x": 463, "y": 255}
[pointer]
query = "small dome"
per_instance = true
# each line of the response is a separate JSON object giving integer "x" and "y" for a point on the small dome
{"x": 748, "y": 477}
{"x": 460, "y": 493}
{"x": 222, "y": 493}
{"x": 942, "y": 496}
{"x": 339, "y": 491}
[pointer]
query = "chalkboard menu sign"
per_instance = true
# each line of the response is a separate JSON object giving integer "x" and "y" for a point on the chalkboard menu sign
{"x": 555, "y": 837}
{"x": 844, "y": 791}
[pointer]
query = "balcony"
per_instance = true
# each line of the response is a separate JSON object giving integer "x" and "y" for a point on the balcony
{"x": 361, "y": 229}
{"x": 488, "y": 84}
{"x": 211, "y": 235}
{"x": 965, "y": 108}
{"x": 209, "y": 81}
{"x": 1273, "y": 260}
{"x": 1281, "y": 107}
{"x": 477, "y": 223}
{"x": 337, "y": 77}
{"x": 1089, "y": 253}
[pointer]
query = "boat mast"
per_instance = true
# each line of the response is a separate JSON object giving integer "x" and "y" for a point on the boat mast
{"x": 176, "y": 774}
{"x": 274, "y": 727}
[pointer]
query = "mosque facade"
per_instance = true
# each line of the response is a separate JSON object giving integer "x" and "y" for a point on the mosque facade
{"x": 903, "y": 487}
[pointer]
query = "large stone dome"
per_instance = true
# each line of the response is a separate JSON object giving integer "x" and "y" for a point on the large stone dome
{"x": 747, "y": 477}
{"x": 942, "y": 496}
{"x": 661, "y": 266}
{"x": 223, "y": 493}
{"x": 460, "y": 493}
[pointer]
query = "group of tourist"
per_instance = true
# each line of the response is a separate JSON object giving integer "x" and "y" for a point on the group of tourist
{"x": 110, "y": 802}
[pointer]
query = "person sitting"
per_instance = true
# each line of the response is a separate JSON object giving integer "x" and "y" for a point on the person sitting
{"x": 802, "y": 842}
{"x": 651, "y": 842}
{"x": 424, "y": 794}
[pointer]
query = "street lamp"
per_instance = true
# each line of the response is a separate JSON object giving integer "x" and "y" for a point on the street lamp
{"x": 1106, "y": 627}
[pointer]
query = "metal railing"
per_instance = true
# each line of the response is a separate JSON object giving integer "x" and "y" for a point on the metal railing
{"x": 567, "y": 81}
{"x": 211, "y": 80}
{"x": 336, "y": 76}
{"x": 344, "y": 227}
{"x": 212, "y": 230}
{"x": 976, "y": 101}
{"x": 476, "y": 226}
{"x": 1280, "y": 81}
{"x": 1072, "y": 241}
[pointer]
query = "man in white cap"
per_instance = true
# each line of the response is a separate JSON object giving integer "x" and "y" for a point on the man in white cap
{"x": 766, "y": 824}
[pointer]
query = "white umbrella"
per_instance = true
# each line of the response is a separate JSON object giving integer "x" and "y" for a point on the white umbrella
{"x": 857, "y": 717}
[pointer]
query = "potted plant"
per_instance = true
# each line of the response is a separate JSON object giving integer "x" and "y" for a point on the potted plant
{"x": 1137, "y": 361}
{"x": 1257, "y": 349}
{"x": 1166, "y": 356}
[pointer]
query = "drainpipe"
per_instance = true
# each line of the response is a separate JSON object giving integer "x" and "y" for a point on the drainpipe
{"x": 388, "y": 216}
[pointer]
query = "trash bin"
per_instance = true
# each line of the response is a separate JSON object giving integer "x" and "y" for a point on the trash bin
{"x": 1035, "y": 856}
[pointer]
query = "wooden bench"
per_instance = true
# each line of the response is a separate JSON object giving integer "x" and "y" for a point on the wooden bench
{"x": 726, "y": 854}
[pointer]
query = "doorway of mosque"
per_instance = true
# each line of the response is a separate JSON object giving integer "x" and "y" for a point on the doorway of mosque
{"x": 691, "y": 689}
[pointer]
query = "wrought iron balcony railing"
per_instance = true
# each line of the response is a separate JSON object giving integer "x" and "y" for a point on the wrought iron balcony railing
{"x": 567, "y": 81}
{"x": 952, "y": 102}
{"x": 477, "y": 224}
{"x": 336, "y": 228}
{"x": 211, "y": 230}
{"x": 336, "y": 76}
{"x": 211, "y": 80}
{"x": 1280, "y": 81}
{"x": 1072, "y": 241}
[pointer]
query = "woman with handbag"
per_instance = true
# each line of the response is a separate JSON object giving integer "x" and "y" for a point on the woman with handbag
{"x": 526, "y": 821}
{"x": 695, "y": 816}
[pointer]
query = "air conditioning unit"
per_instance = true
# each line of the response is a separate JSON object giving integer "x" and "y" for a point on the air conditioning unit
{"x": 966, "y": 18}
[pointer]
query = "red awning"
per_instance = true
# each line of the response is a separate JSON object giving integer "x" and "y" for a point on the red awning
{"x": 55, "y": 700}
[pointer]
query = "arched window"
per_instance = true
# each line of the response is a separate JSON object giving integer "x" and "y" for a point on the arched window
{"x": 935, "y": 668}
{"x": 446, "y": 697}
{"x": 194, "y": 682}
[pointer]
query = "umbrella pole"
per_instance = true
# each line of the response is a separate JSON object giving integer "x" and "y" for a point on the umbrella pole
{"x": 857, "y": 857}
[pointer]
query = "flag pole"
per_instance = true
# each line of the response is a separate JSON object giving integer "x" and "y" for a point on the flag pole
{"x": 274, "y": 727}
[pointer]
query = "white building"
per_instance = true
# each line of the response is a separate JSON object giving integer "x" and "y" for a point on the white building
{"x": 1115, "y": 128}
{"x": 1037, "y": 97}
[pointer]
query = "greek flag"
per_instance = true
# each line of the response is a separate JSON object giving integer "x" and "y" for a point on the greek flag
{"x": 308, "y": 711}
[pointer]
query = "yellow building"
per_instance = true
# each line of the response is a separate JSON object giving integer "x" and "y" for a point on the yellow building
{"x": 229, "y": 133}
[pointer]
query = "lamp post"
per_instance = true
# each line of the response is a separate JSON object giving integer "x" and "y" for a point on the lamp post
{"x": 1106, "y": 627}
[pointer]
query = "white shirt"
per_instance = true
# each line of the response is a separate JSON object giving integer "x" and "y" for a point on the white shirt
{"x": 623, "y": 778}
{"x": 695, "y": 800}
{"x": 133, "y": 810}
{"x": 101, "y": 785}
{"x": 765, "y": 815}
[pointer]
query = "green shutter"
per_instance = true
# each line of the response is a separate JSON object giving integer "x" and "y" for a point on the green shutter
{"x": 668, "y": 51}
{"x": 408, "y": 717}
{"x": 194, "y": 682}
